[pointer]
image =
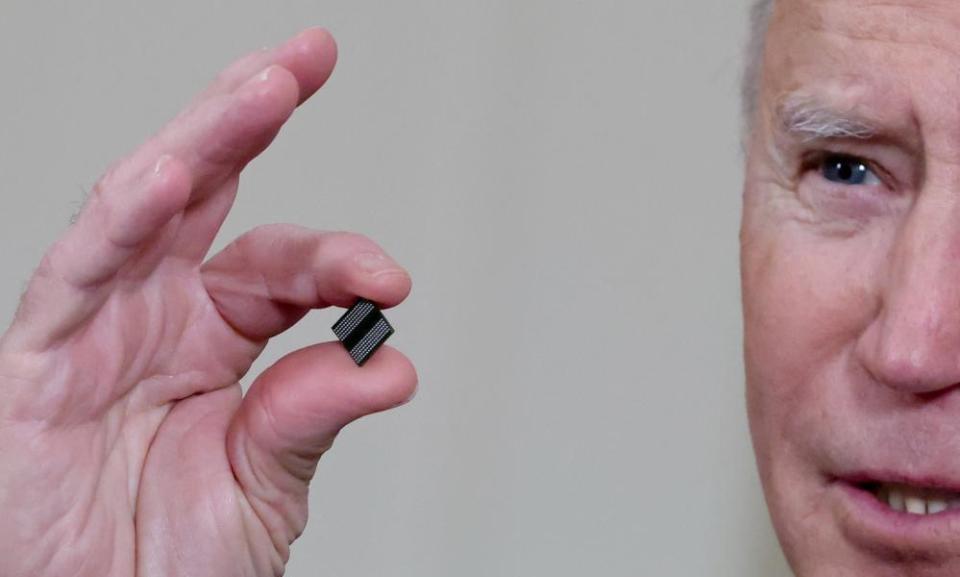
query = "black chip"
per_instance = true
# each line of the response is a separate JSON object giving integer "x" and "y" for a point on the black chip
{"x": 362, "y": 330}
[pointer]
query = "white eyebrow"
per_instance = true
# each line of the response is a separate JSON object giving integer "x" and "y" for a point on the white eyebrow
{"x": 809, "y": 120}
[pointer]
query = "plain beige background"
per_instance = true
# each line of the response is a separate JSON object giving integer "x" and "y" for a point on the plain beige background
{"x": 562, "y": 178}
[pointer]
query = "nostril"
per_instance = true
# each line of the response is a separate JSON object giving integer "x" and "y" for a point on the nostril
{"x": 930, "y": 396}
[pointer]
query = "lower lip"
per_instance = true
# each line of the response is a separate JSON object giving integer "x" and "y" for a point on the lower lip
{"x": 875, "y": 526}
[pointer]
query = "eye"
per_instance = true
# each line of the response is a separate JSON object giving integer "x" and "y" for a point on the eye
{"x": 847, "y": 170}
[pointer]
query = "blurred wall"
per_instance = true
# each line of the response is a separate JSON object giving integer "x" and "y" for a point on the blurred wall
{"x": 562, "y": 178}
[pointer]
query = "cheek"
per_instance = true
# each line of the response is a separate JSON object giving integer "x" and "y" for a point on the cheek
{"x": 806, "y": 299}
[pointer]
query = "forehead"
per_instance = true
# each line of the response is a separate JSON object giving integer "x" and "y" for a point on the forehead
{"x": 890, "y": 58}
{"x": 918, "y": 22}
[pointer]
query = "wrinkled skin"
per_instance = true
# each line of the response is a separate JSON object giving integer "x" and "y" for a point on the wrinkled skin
{"x": 851, "y": 292}
{"x": 126, "y": 447}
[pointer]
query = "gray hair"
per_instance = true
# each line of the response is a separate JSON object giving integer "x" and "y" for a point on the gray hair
{"x": 750, "y": 89}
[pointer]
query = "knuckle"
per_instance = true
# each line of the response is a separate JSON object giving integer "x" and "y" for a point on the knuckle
{"x": 107, "y": 181}
{"x": 46, "y": 265}
{"x": 99, "y": 198}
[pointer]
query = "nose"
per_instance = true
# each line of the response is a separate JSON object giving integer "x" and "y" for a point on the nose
{"x": 913, "y": 344}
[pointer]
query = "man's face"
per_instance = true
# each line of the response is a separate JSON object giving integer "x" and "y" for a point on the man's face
{"x": 850, "y": 262}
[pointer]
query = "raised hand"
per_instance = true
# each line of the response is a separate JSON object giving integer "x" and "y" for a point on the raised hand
{"x": 126, "y": 445}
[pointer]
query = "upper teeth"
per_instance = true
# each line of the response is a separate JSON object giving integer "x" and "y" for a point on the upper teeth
{"x": 917, "y": 501}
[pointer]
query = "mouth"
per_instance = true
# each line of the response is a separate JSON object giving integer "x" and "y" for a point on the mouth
{"x": 912, "y": 499}
{"x": 899, "y": 515}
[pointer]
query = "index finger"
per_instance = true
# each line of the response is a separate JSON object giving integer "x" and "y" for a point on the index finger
{"x": 310, "y": 57}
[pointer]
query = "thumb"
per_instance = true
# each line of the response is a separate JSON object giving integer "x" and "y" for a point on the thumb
{"x": 291, "y": 415}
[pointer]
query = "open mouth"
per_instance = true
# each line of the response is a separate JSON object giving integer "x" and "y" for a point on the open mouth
{"x": 900, "y": 516}
{"x": 911, "y": 499}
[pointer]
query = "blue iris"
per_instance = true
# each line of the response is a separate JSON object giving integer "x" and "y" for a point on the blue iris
{"x": 845, "y": 170}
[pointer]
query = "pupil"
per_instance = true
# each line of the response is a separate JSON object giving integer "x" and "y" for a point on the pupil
{"x": 844, "y": 170}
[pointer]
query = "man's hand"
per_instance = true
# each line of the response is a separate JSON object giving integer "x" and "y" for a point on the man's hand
{"x": 126, "y": 447}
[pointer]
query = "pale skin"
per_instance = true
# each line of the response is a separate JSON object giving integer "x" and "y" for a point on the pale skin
{"x": 126, "y": 446}
{"x": 851, "y": 290}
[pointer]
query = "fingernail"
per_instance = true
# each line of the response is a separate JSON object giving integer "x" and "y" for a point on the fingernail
{"x": 161, "y": 162}
{"x": 376, "y": 263}
{"x": 262, "y": 76}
